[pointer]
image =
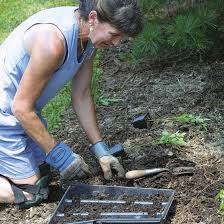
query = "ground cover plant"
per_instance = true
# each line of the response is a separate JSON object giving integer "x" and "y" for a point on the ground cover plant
{"x": 220, "y": 198}
{"x": 171, "y": 139}
{"x": 193, "y": 119}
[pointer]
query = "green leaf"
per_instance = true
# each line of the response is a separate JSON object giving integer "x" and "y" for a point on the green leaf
{"x": 107, "y": 101}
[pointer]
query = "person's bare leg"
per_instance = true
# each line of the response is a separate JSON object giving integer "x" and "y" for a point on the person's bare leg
{"x": 6, "y": 194}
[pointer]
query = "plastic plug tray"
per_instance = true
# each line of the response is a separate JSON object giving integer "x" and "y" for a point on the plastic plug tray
{"x": 117, "y": 205}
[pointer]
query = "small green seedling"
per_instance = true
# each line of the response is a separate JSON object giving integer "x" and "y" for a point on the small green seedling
{"x": 220, "y": 197}
{"x": 193, "y": 119}
{"x": 171, "y": 139}
{"x": 107, "y": 101}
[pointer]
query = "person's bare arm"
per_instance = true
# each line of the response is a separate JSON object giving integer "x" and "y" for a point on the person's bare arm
{"x": 46, "y": 49}
{"x": 84, "y": 107}
{"x": 83, "y": 103}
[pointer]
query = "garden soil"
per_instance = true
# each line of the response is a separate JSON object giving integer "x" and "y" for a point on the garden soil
{"x": 164, "y": 91}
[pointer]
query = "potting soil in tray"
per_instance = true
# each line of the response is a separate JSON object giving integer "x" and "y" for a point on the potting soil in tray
{"x": 113, "y": 203}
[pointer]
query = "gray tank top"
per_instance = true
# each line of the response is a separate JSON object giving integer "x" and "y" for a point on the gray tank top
{"x": 14, "y": 58}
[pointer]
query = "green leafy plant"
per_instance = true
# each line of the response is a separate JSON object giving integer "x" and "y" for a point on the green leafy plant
{"x": 149, "y": 42}
{"x": 186, "y": 33}
{"x": 171, "y": 139}
{"x": 220, "y": 197}
{"x": 206, "y": 17}
{"x": 107, "y": 101}
{"x": 193, "y": 119}
{"x": 197, "y": 30}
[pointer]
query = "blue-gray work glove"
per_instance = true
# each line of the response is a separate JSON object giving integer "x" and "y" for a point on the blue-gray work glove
{"x": 106, "y": 160}
{"x": 69, "y": 164}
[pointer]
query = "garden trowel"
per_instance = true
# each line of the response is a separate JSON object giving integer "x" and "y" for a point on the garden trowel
{"x": 134, "y": 174}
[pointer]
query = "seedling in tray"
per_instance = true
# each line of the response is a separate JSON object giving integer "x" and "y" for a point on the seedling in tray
{"x": 94, "y": 204}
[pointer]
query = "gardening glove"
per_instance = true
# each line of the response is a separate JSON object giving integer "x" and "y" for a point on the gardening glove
{"x": 106, "y": 160}
{"x": 69, "y": 164}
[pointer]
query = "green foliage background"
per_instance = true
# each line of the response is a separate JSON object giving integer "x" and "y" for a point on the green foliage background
{"x": 173, "y": 29}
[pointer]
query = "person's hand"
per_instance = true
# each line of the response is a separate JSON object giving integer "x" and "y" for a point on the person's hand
{"x": 106, "y": 160}
{"x": 108, "y": 163}
{"x": 69, "y": 164}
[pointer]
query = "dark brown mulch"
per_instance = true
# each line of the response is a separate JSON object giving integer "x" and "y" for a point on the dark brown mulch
{"x": 164, "y": 92}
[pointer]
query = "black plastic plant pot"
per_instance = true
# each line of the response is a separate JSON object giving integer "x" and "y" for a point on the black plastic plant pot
{"x": 99, "y": 204}
{"x": 143, "y": 121}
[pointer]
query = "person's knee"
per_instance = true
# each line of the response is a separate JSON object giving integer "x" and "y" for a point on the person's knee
{"x": 6, "y": 193}
{"x": 30, "y": 181}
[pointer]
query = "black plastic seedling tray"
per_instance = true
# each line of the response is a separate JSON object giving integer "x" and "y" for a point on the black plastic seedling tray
{"x": 88, "y": 195}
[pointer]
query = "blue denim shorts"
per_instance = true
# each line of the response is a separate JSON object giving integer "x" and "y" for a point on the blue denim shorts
{"x": 20, "y": 156}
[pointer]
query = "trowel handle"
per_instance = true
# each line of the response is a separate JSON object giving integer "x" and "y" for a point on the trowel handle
{"x": 117, "y": 150}
{"x": 134, "y": 174}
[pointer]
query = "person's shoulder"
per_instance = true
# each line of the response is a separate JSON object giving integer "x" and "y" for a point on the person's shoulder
{"x": 52, "y": 39}
{"x": 47, "y": 38}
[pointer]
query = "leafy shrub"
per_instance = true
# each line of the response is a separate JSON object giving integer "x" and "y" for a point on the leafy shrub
{"x": 197, "y": 30}
{"x": 149, "y": 42}
{"x": 189, "y": 32}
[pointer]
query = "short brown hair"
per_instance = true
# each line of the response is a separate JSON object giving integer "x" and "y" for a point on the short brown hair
{"x": 124, "y": 15}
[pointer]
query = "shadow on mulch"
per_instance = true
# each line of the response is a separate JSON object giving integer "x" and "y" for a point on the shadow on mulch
{"x": 55, "y": 193}
{"x": 171, "y": 212}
